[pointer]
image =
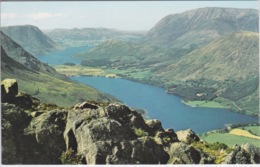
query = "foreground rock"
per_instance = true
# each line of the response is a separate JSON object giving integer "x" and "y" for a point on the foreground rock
{"x": 99, "y": 133}
{"x": 187, "y": 136}
{"x": 112, "y": 135}
{"x": 9, "y": 89}
{"x": 182, "y": 153}
{"x": 244, "y": 154}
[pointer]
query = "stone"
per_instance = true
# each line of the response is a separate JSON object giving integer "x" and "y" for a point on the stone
{"x": 85, "y": 105}
{"x": 182, "y": 153}
{"x": 154, "y": 125}
{"x": 9, "y": 89}
{"x": 244, "y": 154}
{"x": 106, "y": 136}
{"x": 47, "y": 130}
{"x": 187, "y": 136}
{"x": 253, "y": 151}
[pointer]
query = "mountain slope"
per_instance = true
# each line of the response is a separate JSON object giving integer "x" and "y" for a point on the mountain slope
{"x": 16, "y": 52}
{"x": 31, "y": 39}
{"x": 235, "y": 56}
{"x": 41, "y": 80}
{"x": 200, "y": 26}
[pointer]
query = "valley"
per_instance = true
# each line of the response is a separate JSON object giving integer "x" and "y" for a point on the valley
{"x": 96, "y": 95}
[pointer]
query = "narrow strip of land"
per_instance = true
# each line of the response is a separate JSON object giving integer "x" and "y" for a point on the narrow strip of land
{"x": 80, "y": 70}
{"x": 209, "y": 104}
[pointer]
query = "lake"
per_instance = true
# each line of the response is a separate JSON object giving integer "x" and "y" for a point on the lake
{"x": 63, "y": 56}
{"x": 159, "y": 105}
{"x": 165, "y": 107}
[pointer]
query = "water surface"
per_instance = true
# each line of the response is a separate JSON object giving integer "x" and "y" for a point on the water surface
{"x": 63, "y": 56}
{"x": 165, "y": 107}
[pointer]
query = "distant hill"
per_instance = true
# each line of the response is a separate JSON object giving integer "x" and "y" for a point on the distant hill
{"x": 41, "y": 80}
{"x": 234, "y": 56}
{"x": 31, "y": 38}
{"x": 198, "y": 27}
{"x": 84, "y": 36}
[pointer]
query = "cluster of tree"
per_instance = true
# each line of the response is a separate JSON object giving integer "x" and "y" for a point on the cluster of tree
{"x": 190, "y": 92}
{"x": 241, "y": 89}
{"x": 95, "y": 63}
{"x": 69, "y": 64}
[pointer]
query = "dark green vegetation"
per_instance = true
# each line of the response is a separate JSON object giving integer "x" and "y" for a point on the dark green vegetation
{"x": 208, "y": 54}
{"x": 41, "y": 80}
{"x": 100, "y": 133}
{"x": 89, "y": 36}
{"x": 31, "y": 39}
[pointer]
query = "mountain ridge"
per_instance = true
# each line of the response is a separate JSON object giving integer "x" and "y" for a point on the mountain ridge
{"x": 31, "y": 38}
{"x": 177, "y": 29}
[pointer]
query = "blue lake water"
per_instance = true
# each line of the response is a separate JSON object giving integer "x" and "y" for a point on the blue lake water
{"x": 159, "y": 105}
{"x": 63, "y": 56}
{"x": 165, "y": 107}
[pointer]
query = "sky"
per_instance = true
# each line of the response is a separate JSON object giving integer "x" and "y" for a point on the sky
{"x": 122, "y": 15}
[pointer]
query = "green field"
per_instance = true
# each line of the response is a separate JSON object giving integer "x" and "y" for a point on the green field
{"x": 253, "y": 129}
{"x": 229, "y": 139}
{"x": 209, "y": 104}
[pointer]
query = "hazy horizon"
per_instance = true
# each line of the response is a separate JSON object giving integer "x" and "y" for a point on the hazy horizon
{"x": 120, "y": 15}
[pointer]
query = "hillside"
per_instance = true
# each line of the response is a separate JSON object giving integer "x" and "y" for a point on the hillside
{"x": 16, "y": 52}
{"x": 219, "y": 60}
{"x": 100, "y": 133}
{"x": 41, "y": 80}
{"x": 198, "y": 27}
{"x": 85, "y": 36}
{"x": 31, "y": 39}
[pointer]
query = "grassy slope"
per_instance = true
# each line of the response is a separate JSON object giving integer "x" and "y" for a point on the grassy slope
{"x": 221, "y": 59}
{"x": 53, "y": 90}
{"x": 45, "y": 87}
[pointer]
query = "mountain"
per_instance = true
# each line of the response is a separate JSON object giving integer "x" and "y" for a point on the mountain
{"x": 41, "y": 80}
{"x": 203, "y": 54}
{"x": 100, "y": 133}
{"x": 31, "y": 38}
{"x": 219, "y": 60}
{"x": 84, "y": 36}
{"x": 16, "y": 52}
{"x": 198, "y": 27}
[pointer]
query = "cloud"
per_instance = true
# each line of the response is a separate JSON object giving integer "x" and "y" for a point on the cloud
{"x": 8, "y": 15}
{"x": 43, "y": 15}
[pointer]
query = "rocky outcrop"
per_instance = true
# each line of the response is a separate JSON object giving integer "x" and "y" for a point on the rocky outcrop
{"x": 98, "y": 133}
{"x": 9, "y": 89}
{"x": 112, "y": 135}
{"x": 244, "y": 154}
{"x": 187, "y": 136}
{"x": 181, "y": 153}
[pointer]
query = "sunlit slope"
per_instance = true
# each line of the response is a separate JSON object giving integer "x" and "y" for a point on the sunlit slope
{"x": 234, "y": 56}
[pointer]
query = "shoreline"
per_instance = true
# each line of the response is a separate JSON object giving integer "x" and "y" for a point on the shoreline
{"x": 79, "y": 70}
